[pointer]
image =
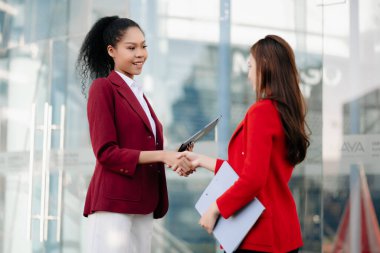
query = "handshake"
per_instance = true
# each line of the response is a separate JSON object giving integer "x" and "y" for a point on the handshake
{"x": 183, "y": 163}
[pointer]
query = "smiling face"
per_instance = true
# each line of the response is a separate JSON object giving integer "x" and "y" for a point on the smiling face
{"x": 129, "y": 54}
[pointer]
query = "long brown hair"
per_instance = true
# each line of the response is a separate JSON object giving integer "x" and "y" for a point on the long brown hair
{"x": 278, "y": 79}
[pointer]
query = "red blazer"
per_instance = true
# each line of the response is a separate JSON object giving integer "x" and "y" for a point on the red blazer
{"x": 257, "y": 153}
{"x": 119, "y": 130}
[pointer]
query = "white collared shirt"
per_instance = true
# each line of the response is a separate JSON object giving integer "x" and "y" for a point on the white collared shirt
{"x": 138, "y": 91}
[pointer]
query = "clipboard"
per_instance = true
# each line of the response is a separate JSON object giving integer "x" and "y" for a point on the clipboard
{"x": 198, "y": 135}
{"x": 229, "y": 232}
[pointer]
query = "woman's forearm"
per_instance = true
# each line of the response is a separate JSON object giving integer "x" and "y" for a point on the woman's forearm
{"x": 207, "y": 162}
{"x": 151, "y": 156}
{"x": 170, "y": 158}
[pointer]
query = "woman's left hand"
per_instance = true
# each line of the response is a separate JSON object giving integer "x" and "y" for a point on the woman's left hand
{"x": 190, "y": 147}
{"x": 210, "y": 217}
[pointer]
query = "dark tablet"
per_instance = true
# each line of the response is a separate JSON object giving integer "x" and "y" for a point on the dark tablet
{"x": 205, "y": 130}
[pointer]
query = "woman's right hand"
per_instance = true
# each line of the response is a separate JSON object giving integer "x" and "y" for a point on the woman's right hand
{"x": 179, "y": 164}
{"x": 199, "y": 160}
{"x": 194, "y": 158}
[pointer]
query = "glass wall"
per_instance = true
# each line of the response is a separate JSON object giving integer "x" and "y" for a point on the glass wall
{"x": 186, "y": 58}
{"x": 351, "y": 126}
{"x": 197, "y": 69}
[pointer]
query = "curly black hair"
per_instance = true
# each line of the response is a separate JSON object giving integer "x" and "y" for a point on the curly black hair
{"x": 93, "y": 60}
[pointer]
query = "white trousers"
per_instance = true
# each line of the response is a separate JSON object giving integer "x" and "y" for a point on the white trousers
{"x": 119, "y": 233}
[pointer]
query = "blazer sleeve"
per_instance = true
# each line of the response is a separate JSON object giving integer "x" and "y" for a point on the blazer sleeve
{"x": 258, "y": 139}
{"x": 103, "y": 133}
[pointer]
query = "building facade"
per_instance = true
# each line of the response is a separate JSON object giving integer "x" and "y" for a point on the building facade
{"x": 196, "y": 70}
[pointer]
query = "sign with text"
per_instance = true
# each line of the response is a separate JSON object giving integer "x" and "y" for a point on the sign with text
{"x": 361, "y": 148}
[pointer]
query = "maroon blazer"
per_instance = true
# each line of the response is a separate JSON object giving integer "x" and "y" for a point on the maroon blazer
{"x": 119, "y": 131}
{"x": 257, "y": 152}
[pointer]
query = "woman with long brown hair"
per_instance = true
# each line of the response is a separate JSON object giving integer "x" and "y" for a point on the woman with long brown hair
{"x": 263, "y": 150}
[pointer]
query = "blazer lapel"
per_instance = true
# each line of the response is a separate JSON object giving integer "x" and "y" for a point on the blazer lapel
{"x": 159, "y": 131}
{"x": 126, "y": 92}
{"x": 237, "y": 130}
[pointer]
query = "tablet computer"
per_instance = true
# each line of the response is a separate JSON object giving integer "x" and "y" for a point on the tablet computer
{"x": 232, "y": 231}
{"x": 205, "y": 130}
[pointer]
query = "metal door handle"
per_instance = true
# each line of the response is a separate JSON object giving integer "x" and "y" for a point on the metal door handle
{"x": 47, "y": 172}
{"x": 58, "y": 218}
{"x": 31, "y": 167}
{"x": 60, "y": 177}
{"x": 43, "y": 171}
{"x": 44, "y": 216}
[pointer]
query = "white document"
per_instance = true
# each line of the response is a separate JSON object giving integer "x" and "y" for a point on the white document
{"x": 229, "y": 232}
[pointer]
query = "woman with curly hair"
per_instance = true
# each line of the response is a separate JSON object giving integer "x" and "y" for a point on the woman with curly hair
{"x": 128, "y": 188}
